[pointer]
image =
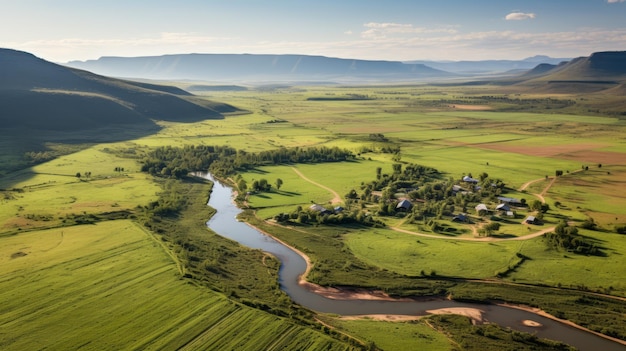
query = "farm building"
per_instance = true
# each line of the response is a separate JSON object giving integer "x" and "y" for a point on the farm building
{"x": 461, "y": 217}
{"x": 510, "y": 201}
{"x": 404, "y": 205}
{"x": 503, "y": 207}
{"x": 481, "y": 207}
{"x": 531, "y": 220}
{"x": 317, "y": 208}
{"x": 469, "y": 179}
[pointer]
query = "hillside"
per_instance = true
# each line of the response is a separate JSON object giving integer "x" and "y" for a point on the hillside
{"x": 598, "y": 72}
{"x": 245, "y": 67}
{"x": 490, "y": 66}
{"x": 37, "y": 94}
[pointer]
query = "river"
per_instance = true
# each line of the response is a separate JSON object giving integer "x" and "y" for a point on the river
{"x": 224, "y": 223}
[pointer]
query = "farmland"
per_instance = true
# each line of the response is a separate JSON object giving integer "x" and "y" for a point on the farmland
{"x": 112, "y": 286}
{"x": 58, "y": 270}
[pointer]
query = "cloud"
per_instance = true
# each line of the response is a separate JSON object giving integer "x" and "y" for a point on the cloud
{"x": 520, "y": 16}
{"x": 379, "y": 31}
{"x": 378, "y": 41}
{"x": 615, "y": 1}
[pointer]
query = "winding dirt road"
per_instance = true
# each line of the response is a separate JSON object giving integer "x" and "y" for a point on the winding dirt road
{"x": 335, "y": 200}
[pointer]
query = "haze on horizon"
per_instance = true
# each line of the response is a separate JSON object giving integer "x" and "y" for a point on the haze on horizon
{"x": 398, "y": 30}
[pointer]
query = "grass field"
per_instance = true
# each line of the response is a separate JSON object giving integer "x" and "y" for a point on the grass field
{"x": 397, "y": 336}
{"x": 111, "y": 286}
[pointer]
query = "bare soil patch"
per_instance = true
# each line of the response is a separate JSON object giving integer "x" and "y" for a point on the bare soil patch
{"x": 471, "y": 107}
{"x": 18, "y": 254}
{"x": 474, "y": 314}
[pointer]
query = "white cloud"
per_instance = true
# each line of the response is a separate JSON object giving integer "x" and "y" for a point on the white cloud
{"x": 519, "y": 16}
{"x": 383, "y": 30}
{"x": 378, "y": 41}
{"x": 615, "y": 1}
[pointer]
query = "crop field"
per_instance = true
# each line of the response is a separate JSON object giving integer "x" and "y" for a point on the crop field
{"x": 110, "y": 286}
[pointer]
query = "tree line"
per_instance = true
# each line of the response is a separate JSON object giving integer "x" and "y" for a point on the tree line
{"x": 177, "y": 162}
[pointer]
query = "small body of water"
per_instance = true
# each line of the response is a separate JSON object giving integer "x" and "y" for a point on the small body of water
{"x": 224, "y": 223}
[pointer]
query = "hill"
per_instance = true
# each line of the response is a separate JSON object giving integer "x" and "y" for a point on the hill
{"x": 599, "y": 72}
{"x": 42, "y": 102}
{"x": 483, "y": 67}
{"x": 37, "y": 94}
{"x": 246, "y": 67}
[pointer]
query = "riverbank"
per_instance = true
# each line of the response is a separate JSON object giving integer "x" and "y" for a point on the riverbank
{"x": 296, "y": 265}
{"x": 476, "y": 315}
{"x": 545, "y": 314}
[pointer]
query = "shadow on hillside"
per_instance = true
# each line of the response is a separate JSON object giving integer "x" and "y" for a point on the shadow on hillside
{"x": 15, "y": 143}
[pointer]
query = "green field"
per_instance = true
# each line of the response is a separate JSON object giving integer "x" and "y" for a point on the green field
{"x": 112, "y": 285}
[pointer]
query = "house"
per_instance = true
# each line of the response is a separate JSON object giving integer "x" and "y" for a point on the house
{"x": 510, "y": 201}
{"x": 510, "y": 214}
{"x": 481, "y": 207}
{"x": 404, "y": 205}
{"x": 503, "y": 207}
{"x": 469, "y": 179}
{"x": 531, "y": 220}
{"x": 338, "y": 209}
{"x": 317, "y": 208}
{"x": 461, "y": 217}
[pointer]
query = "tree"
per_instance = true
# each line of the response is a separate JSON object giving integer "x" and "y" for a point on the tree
{"x": 279, "y": 183}
{"x": 77, "y": 174}
{"x": 241, "y": 185}
{"x": 263, "y": 184}
{"x": 490, "y": 228}
{"x": 535, "y": 205}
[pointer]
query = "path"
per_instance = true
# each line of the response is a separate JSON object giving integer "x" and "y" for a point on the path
{"x": 541, "y": 195}
{"x": 335, "y": 200}
{"x": 484, "y": 239}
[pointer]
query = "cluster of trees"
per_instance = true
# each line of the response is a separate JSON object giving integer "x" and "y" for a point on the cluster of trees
{"x": 306, "y": 216}
{"x": 176, "y": 162}
{"x": 546, "y": 103}
{"x": 567, "y": 238}
{"x": 257, "y": 185}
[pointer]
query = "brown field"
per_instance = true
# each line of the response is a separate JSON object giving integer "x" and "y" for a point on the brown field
{"x": 574, "y": 152}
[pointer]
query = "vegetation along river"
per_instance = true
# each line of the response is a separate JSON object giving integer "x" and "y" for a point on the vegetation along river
{"x": 293, "y": 265}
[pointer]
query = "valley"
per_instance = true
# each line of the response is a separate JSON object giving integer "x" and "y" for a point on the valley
{"x": 84, "y": 225}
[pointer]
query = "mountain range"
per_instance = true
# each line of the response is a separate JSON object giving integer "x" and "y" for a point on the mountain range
{"x": 491, "y": 66}
{"x": 257, "y": 68}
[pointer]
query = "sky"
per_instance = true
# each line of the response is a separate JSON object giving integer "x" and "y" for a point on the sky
{"x": 397, "y": 30}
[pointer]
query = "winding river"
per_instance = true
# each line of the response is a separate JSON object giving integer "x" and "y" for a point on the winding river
{"x": 224, "y": 222}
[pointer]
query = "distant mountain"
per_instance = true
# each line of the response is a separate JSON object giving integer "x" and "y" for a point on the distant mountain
{"x": 598, "y": 72}
{"x": 40, "y": 95}
{"x": 255, "y": 68}
{"x": 490, "y": 66}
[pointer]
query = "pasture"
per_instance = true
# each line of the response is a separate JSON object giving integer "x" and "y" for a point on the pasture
{"x": 111, "y": 286}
